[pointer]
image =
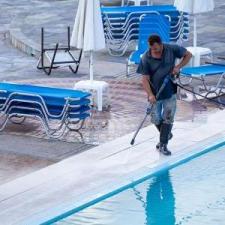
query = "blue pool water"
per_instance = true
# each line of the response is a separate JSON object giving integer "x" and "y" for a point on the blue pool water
{"x": 192, "y": 193}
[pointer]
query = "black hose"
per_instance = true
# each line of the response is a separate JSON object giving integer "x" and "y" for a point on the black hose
{"x": 205, "y": 97}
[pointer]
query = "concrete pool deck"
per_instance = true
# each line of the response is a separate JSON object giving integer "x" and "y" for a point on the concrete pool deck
{"x": 42, "y": 178}
{"x": 46, "y": 193}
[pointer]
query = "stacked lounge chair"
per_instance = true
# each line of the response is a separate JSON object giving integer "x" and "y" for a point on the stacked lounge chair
{"x": 121, "y": 25}
{"x": 149, "y": 24}
{"x": 56, "y": 108}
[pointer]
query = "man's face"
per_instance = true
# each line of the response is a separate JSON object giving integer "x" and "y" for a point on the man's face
{"x": 156, "y": 48}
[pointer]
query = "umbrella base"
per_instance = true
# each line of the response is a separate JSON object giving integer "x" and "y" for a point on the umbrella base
{"x": 198, "y": 53}
{"x": 99, "y": 91}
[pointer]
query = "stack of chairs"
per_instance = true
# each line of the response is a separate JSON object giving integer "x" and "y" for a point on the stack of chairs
{"x": 56, "y": 108}
{"x": 121, "y": 25}
{"x": 149, "y": 24}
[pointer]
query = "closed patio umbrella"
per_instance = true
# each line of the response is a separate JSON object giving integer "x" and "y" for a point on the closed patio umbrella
{"x": 194, "y": 7}
{"x": 88, "y": 33}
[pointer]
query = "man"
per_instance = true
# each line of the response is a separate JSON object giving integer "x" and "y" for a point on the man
{"x": 155, "y": 65}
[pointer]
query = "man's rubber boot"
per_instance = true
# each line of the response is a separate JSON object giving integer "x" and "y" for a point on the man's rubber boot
{"x": 164, "y": 150}
{"x": 158, "y": 126}
{"x": 164, "y": 138}
{"x": 170, "y": 136}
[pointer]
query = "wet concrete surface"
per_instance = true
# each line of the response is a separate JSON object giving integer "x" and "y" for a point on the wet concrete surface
{"x": 128, "y": 101}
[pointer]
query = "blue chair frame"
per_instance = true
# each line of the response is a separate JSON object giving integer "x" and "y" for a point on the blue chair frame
{"x": 202, "y": 73}
{"x": 149, "y": 24}
{"x": 121, "y": 25}
{"x": 56, "y": 108}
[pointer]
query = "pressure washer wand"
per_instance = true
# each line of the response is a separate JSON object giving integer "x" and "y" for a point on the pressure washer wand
{"x": 149, "y": 108}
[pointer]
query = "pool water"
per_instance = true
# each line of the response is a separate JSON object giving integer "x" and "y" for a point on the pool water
{"x": 192, "y": 193}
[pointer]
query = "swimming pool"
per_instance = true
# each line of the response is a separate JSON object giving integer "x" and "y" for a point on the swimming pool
{"x": 192, "y": 193}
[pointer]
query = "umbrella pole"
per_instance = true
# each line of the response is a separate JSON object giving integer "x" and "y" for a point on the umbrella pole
{"x": 195, "y": 33}
{"x": 91, "y": 66}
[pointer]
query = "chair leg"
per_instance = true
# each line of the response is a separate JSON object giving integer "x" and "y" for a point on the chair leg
{"x": 76, "y": 61}
{"x": 42, "y": 51}
{"x": 127, "y": 69}
{"x": 48, "y": 72}
{"x": 74, "y": 70}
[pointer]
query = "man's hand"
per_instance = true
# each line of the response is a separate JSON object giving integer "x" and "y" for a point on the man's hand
{"x": 183, "y": 62}
{"x": 176, "y": 70}
{"x": 151, "y": 99}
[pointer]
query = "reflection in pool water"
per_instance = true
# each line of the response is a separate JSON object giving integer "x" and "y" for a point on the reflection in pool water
{"x": 190, "y": 194}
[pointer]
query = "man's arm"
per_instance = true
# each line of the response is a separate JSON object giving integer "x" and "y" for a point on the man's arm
{"x": 186, "y": 58}
{"x": 147, "y": 88}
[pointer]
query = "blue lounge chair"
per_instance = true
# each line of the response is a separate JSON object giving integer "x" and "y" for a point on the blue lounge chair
{"x": 121, "y": 25}
{"x": 56, "y": 108}
{"x": 115, "y": 10}
{"x": 150, "y": 24}
{"x": 203, "y": 74}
